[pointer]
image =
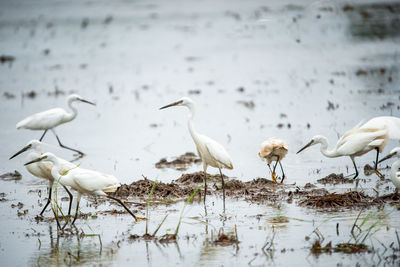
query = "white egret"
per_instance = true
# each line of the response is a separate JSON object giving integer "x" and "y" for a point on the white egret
{"x": 49, "y": 119}
{"x": 210, "y": 152}
{"x": 363, "y": 138}
{"x": 83, "y": 181}
{"x": 43, "y": 169}
{"x": 395, "y": 170}
{"x": 273, "y": 150}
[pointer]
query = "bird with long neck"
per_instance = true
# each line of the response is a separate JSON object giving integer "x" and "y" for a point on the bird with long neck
{"x": 43, "y": 169}
{"x": 49, "y": 119}
{"x": 395, "y": 169}
{"x": 83, "y": 181}
{"x": 210, "y": 152}
{"x": 354, "y": 143}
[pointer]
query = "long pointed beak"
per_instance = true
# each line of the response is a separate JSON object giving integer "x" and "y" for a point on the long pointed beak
{"x": 172, "y": 104}
{"x": 309, "y": 144}
{"x": 36, "y": 160}
{"x": 387, "y": 157}
{"x": 21, "y": 151}
{"x": 88, "y": 102}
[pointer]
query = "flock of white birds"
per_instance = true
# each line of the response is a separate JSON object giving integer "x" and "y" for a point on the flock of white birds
{"x": 364, "y": 137}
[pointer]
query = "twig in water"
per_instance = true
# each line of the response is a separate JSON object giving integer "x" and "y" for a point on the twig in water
{"x": 159, "y": 226}
{"x": 147, "y": 207}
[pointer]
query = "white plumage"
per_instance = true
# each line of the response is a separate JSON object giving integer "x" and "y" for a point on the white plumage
{"x": 361, "y": 139}
{"x": 395, "y": 170}
{"x": 49, "y": 119}
{"x": 211, "y": 153}
{"x": 82, "y": 180}
{"x": 43, "y": 169}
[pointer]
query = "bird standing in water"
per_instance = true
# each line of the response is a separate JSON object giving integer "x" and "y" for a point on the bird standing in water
{"x": 49, "y": 119}
{"x": 83, "y": 181}
{"x": 364, "y": 137}
{"x": 43, "y": 169}
{"x": 210, "y": 152}
{"x": 274, "y": 150}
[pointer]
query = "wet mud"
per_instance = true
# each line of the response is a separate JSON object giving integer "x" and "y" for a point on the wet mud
{"x": 258, "y": 191}
{"x": 334, "y": 179}
{"x": 16, "y": 175}
{"x": 180, "y": 163}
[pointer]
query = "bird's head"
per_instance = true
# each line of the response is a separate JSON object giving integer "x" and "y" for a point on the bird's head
{"x": 45, "y": 156}
{"x": 395, "y": 152}
{"x": 184, "y": 101}
{"x": 33, "y": 144}
{"x": 75, "y": 97}
{"x": 315, "y": 140}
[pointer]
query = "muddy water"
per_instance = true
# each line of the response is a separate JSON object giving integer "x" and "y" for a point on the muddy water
{"x": 289, "y": 70}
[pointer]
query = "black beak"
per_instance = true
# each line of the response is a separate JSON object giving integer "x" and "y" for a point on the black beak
{"x": 88, "y": 102}
{"x": 387, "y": 157}
{"x": 309, "y": 144}
{"x": 36, "y": 160}
{"x": 21, "y": 151}
{"x": 173, "y": 104}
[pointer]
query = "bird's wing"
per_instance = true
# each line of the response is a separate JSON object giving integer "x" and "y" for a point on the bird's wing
{"x": 218, "y": 152}
{"x": 392, "y": 124}
{"x": 43, "y": 120}
{"x": 348, "y": 133}
{"x": 93, "y": 181}
{"x": 358, "y": 141}
{"x": 66, "y": 165}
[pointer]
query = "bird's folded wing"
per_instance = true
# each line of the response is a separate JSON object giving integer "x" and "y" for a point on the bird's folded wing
{"x": 357, "y": 141}
{"x": 391, "y": 123}
{"x": 43, "y": 120}
{"x": 93, "y": 181}
{"x": 219, "y": 154}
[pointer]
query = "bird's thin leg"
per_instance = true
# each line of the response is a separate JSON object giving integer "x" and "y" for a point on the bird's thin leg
{"x": 283, "y": 173}
{"x": 273, "y": 171}
{"x": 63, "y": 146}
{"x": 269, "y": 167}
{"x": 48, "y": 200}
{"x": 380, "y": 175}
{"x": 78, "y": 199}
{"x": 70, "y": 200}
{"x": 355, "y": 168}
{"x": 223, "y": 188}
{"x": 123, "y": 205}
{"x": 205, "y": 189}
{"x": 41, "y": 138}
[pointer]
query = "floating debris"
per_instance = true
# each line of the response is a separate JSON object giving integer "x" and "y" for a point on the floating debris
{"x": 180, "y": 163}
{"x": 9, "y": 176}
{"x": 247, "y": 104}
{"x": 335, "y": 179}
{"x": 7, "y": 59}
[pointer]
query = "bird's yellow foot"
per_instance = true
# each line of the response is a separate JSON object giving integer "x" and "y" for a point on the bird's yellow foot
{"x": 380, "y": 175}
{"x": 273, "y": 177}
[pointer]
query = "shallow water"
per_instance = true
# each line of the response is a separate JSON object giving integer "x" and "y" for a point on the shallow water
{"x": 131, "y": 57}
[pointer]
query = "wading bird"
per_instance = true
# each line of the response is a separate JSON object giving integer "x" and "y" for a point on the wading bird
{"x": 273, "y": 150}
{"x": 83, "y": 181}
{"x": 372, "y": 135}
{"x": 210, "y": 152}
{"x": 395, "y": 170}
{"x": 49, "y": 119}
{"x": 43, "y": 169}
